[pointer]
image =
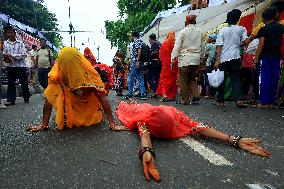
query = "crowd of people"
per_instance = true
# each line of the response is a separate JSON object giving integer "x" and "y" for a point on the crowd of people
{"x": 76, "y": 86}
{"x": 251, "y": 63}
{"x": 24, "y": 64}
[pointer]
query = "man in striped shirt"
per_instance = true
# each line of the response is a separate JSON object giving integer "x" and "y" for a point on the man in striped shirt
{"x": 15, "y": 56}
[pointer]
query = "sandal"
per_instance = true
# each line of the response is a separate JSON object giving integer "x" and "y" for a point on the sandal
{"x": 269, "y": 106}
{"x": 182, "y": 102}
{"x": 166, "y": 99}
{"x": 154, "y": 95}
{"x": 220, "y": 104}
{"x": 241, "y": 105}
{"x": 37, "y": 128}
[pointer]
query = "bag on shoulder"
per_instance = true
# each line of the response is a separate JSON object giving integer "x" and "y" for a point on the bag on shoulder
{"x": 145, "y": 53}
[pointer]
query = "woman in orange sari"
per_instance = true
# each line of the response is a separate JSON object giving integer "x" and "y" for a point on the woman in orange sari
{"x": 167, "y": 87}
{"x": 77, "y": 93}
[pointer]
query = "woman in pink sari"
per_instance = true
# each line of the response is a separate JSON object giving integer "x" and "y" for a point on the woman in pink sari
{"x": 167, "y": 87}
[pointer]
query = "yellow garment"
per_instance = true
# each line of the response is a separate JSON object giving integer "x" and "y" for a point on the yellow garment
{"x": 256, "y": 30}
{"x": 71, "y": 73}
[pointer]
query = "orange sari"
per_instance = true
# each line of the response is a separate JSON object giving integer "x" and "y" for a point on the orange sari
{"x": 71, "y": 75}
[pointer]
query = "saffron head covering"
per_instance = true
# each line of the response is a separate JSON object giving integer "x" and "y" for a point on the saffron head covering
{"x": 76, "y": 71}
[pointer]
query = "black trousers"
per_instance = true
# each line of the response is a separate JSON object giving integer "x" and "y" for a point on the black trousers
{"x": 22, "y": 75}
{"x": 246, "y": 79}
{"x": 43, "y": 76}
{"x": 231, "y": 69}
{"x": 154, "y": 71}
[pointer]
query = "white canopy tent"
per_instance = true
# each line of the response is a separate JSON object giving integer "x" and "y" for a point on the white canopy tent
{"x": 208, "y": 19}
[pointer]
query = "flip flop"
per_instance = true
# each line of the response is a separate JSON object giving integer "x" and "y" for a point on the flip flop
{"x": 181, "y": 102}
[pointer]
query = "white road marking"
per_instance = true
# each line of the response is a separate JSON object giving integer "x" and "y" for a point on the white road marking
{"x": 205, "y": 152}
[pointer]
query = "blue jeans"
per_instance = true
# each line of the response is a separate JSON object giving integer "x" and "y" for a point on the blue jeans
{"x": 131, "y": 79}
{"x": 269, "y": 80}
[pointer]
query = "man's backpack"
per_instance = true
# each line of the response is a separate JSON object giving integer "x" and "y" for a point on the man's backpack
{"x": 145, "y": 53}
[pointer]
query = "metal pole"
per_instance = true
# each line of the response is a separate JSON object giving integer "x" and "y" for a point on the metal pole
{"x": 98, "y": 52}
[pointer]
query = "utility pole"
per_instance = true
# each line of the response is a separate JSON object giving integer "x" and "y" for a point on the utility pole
{"x": 98, "y": 52}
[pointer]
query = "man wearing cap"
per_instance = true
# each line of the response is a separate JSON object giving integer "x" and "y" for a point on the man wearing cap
{"x": 188, "y": 50}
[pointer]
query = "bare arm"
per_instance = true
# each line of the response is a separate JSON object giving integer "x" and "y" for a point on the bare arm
{"x": 139, "y": 54}
{"x": 248, "y": 144}
{"x": 259, "y": 50}
{"x": 36, "y": 61}
{"x": 107, "y": 109}
{"x": 248, "y": 40}
{"x": 148, "y": 160}
{"x": 218, "y": 56}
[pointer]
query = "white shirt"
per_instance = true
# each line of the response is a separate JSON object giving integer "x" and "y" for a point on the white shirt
{"x": 231, "y": 38}
{"x": 188, "y": 46}
{"x": 18, "y": 51}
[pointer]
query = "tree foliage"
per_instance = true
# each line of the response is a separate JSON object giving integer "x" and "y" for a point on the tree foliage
{"x": 134, "y": 15}
{"x": 34, "y": 14}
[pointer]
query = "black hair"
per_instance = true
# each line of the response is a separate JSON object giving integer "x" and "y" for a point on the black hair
{"x": 9, "y": 27}
{"x": 279, "y": 5}
{"x": 34, "y": 46}
{"x": 234, "y": 16}
{"x": 153, "y": 36}
{"x": 270, "y": 14}
{"x": 135, "y": 34}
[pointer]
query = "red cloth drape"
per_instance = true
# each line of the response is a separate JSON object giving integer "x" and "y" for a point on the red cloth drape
{"x": 162, "y": 121}
{"x": 247, "y": 22}
{"x": 168, "y": 78}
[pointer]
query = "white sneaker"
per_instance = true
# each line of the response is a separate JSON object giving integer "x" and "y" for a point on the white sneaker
{"x": 2, "y": 106}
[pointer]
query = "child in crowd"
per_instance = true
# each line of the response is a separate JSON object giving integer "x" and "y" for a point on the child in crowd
{"x": 268, "y": 55}
{"x": 247, "y": 68}
{"x": 211, "y": 51}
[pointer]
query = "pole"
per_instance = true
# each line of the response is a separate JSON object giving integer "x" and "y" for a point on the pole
{"x": 98, "y": 52}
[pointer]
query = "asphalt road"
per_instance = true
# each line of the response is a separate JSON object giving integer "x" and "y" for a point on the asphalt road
{"x": 94, "y": 157}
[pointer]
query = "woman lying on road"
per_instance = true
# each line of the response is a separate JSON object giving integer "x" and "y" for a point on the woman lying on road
{"x": 166, "y": 122}
{"x": 77, "y": 93}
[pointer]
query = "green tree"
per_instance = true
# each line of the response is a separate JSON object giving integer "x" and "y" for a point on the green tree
{"x": 34, "y": 14}
{"x": 134, "y": 15}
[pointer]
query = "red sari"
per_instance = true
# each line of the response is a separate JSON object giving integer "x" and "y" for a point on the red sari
{"x": 168, "y": 78}
{"x": 109, "y": 70}
{"x": 164, "y": 122}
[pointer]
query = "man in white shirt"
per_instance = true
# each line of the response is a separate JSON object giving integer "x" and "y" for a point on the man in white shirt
{"x": 228, "y": 58}
{"x": 188, "y": 50}
{"x": 15, "y": 55}
{"x": 43, "y": 63}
